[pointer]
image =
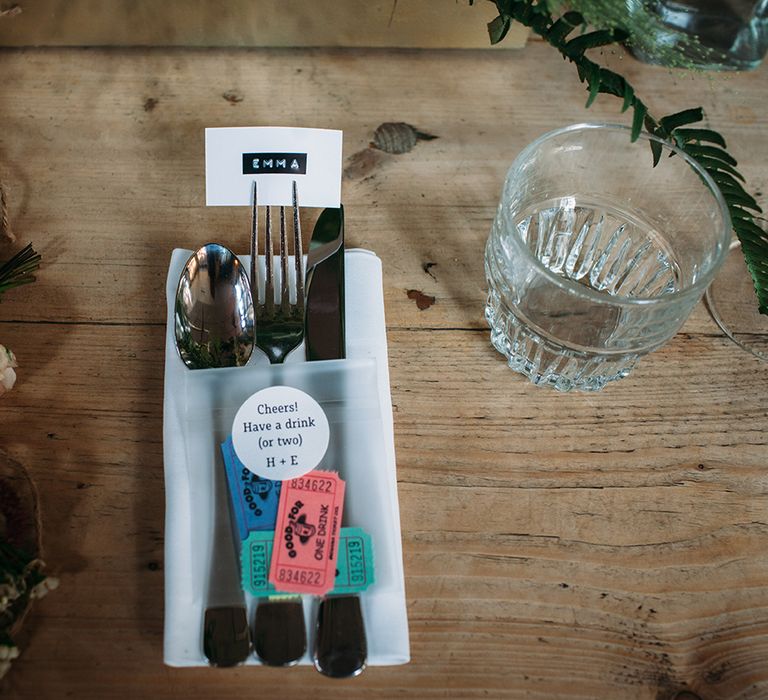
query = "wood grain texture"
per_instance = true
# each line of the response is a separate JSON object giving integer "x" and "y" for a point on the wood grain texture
{"x": 556, "y": 546}
{"x": 250, "y": 23}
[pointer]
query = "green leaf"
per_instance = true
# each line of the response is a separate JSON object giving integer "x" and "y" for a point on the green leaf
{"x": 505, "y": 7}
{"x": 700, "y": 135}
{"x": 687, "y": 116}
{"x": 523, "y": 11}
{"x": 498, "y": 28}
{"x": 611, "y": 83}
{"x": 619, "y": 35}
{"x": 591, "y": 40}
{"x": 574, "y": 18}
{"x": 716, "y": 166}
{"x": 729, "y": 188}
{"x": 723, "y": 178}
{"x": 564, "y": 26}
{"x": 751, "y": 231}
{"x": 637, "y": 119}
{"x": 737, "y": 213}
{"x": 711, "y": 152}
{"x": 593, "y": 80}
{"x": 656, "y": 149}
{"x": 540, "y": 23}
{"x": 629, "y": 95}
{"x": 754, "y": 246}
{"x": 741, "y": 199}
{"x": 650, "y": 125}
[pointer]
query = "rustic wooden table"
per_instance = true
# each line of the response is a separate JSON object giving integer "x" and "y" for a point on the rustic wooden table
{"x": 612, "y": 545}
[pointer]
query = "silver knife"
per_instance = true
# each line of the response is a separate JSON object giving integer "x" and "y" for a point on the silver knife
{"x": 340, "y": 649}
{"x": 324, "y": 315}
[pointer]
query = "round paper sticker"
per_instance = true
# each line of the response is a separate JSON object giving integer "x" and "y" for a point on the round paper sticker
{"x": 280, "y": 433}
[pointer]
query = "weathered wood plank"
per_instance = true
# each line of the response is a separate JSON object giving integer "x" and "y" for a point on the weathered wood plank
{"x": 135, "y": 189}
{"x": 574, "y": 546}
{"x": 611, "y": 533}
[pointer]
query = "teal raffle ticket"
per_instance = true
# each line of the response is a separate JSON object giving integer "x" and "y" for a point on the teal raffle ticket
{"x": 354, "y": 572}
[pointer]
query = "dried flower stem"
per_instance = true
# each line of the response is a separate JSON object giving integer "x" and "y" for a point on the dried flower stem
{"x": 5, "y": 223}
{"x": 18, "y": 270}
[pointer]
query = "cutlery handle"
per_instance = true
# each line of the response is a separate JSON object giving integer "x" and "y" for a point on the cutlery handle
{"x": 341, "y": 649}
{"x": 224, "y": 588}
{"x": 279, "y": 633}
{"x": 226, "y": 639}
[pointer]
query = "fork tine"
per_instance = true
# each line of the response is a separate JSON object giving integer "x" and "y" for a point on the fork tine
{"x": 255, "y": 246}
{"x": 269, "y": 286}
{"x": 298, "y": 254}
{"x": 280, "y": 324}
{"x": 285, "y": 289}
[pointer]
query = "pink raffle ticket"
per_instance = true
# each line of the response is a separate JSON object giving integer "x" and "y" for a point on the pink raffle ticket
{"x": 307, "y": 534}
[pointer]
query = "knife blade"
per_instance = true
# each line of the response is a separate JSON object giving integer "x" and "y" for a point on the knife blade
{"x": 327, "y": 237}
{"x": 324, "y": 317}
{"x": 340, "y": 649}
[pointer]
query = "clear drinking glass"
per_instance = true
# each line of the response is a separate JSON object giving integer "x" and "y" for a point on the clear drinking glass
{"x": 595, "y": 257}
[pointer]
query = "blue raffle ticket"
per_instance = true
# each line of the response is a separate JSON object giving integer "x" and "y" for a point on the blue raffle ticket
{"x": 254, "y": 499}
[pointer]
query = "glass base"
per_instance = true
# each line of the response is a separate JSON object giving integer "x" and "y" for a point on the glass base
{"x": 546, "y": 363}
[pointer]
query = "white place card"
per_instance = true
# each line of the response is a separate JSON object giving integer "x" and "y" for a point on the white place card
{"x": 274, "y": 157}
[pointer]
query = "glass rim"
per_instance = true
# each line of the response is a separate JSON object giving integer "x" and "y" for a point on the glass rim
{"x": 572, "y": 286}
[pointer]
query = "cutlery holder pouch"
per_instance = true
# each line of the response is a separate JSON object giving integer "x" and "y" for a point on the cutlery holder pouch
{"x": 347, "y": 392}
{"x": 198, "y": 409}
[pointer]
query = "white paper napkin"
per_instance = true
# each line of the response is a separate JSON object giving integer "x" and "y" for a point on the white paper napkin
{"x": 383, "y": 604}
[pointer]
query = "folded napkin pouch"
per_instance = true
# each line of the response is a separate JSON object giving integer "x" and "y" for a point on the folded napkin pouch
{"x": 199, "y": 409}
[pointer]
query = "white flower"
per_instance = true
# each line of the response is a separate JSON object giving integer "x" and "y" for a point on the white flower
{"x": 47, "y": 584}
{"x": 7, "y": 372}
{"x": 7, "y": 652}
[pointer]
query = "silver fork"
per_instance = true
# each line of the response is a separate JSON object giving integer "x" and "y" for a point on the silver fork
{"x": 279, "y": 327}
{"x": 279, "y": 634}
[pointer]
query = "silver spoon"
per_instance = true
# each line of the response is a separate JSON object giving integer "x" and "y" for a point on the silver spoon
{"x": 214, "y": 328}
